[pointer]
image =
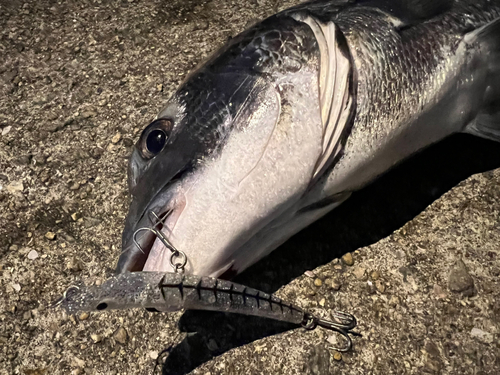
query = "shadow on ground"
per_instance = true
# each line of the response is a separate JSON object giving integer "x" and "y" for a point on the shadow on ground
{"x": 365, "y": 218}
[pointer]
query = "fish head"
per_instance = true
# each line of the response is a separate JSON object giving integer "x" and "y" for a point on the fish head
{"x": 222, "y": 174}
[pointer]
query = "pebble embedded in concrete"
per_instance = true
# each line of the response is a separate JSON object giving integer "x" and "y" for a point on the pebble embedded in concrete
{"x": 32, "y": 255}
{"x": 459, "y": 280}
{"x": 50, "y": 236}
{"x": 334, "y": 284}
{"x": 84, "y": 315}
{"x": 121, "y": 335}
{"x": 116, "y": 138}
{"x": 96, "y": 337}
{"x": 359, "y": 273}
{"x": 348, "y": 259}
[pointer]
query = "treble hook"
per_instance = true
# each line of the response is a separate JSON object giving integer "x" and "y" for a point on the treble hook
{"x": 344, "y": 324}
{"x": 157, "y": 233}
{"x": 176, "y": 265}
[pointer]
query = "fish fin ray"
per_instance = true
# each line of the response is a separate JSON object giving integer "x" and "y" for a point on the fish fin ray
{"x": 487, "y": 122}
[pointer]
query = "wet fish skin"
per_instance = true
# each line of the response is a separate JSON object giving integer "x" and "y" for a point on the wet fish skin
{"x": 304, "y": 108}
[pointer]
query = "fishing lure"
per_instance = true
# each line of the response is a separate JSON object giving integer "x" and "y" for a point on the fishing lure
{"x": 166, "y": 291}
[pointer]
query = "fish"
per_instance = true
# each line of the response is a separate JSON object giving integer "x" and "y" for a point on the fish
{"x": 168, "y": 291}
{"x": 290, "y": 117}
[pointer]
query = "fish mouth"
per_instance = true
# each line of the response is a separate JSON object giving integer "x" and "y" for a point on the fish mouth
{"x": 151, "y": 238}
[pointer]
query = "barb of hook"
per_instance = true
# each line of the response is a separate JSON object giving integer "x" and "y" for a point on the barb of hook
{"x": 343, "y": 324}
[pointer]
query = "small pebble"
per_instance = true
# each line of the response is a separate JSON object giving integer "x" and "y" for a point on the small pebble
{"x": 153, "y": 354}
{"x": 27, "y": 315}
{"x": 359, "y": 272}
{"x": 335, "y": 284}
{"x": 318, "y": 282}
{"x": 337, "y": 356}
{"x": 50, "y": 236}
{"x": 15, "y": 187}
{"x": 459, "y": 280}
{"x": 481, "y": 335}
{"x": 310, "y": 292}
{"x": 75, "y": 216}
{"x": 348, "y": 259}
{"x": 380, "y": 286}
{"x": 375, "y": 275}
{"x": 438, "y": 291}
{"x": 121, "y": 335}
{"x": 117, "y": 137}
{"x": 32, "y": 255}
{"x": 84, "y": 316}
{"x": 310, "y": 274}
{"x": 16, "y": 287}
{"x": 6, "y": 130}
{"x": 394, "y": 301}
{"x": 77, "y": 362}
{"x": 75, "y": 186}
{"x": 88, "y": 114}
{"x": 322, "y": 302}
{"x": 96, "y": 338}
{"x": 74, "y": 265}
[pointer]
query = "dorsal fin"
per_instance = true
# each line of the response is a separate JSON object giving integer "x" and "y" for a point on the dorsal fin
{"x": 410, "y": 11}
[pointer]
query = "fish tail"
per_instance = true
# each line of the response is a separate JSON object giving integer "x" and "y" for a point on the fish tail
{"x": 487, "y": 122}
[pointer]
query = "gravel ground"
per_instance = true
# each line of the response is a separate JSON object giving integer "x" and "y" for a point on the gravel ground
{"x": 80, "y": 79}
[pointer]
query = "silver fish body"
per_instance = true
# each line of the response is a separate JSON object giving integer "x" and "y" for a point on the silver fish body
{"x": 294, "y": 114}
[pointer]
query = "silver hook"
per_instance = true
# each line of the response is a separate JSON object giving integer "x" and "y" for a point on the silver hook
{"x": 64, "y": 296}
{"x": 134, "y": 237}
{"x": 344, "y": 325}
{"x": 176, "y": 265}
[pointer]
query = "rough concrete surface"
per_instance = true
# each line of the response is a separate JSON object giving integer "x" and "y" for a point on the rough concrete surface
{"x": 78, "y": 82}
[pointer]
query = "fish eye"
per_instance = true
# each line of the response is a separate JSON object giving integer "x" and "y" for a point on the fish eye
{"x": 154, "y": 138}
{"x": 155, "y": 141}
